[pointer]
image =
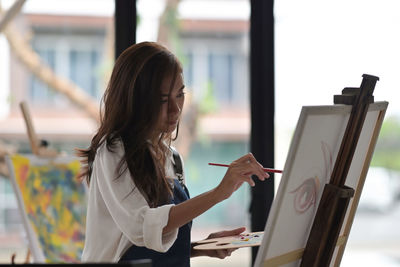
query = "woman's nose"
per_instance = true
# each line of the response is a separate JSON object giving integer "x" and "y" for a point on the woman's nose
{"x": 174, "y": 107}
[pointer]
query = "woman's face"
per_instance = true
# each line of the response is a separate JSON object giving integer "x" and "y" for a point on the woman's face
{"x": 172, "y": 101}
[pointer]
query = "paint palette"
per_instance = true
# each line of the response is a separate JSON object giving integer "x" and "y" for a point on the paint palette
{"x": 238, "y": 241}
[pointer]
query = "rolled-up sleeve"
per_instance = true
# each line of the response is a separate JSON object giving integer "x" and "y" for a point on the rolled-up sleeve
{"x": 152, "y": 233}
{"x": 142, "y": 225}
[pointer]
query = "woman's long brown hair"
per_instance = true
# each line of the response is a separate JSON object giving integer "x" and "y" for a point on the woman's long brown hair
{"x": 132, "y": 104}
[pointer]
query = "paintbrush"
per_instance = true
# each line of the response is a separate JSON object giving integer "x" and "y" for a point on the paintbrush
{"x": 265, "y": 169}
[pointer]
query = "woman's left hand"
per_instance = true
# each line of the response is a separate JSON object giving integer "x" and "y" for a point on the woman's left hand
{"x": 219, "y": 253}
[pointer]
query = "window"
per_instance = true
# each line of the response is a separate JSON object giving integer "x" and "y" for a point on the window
{"x": 220, "y": 76}
{"x": 41, "y": 93}
{"x": 83, "y": 66}
{"x": 322, "y": 47}
{"x": 71, "y": 56}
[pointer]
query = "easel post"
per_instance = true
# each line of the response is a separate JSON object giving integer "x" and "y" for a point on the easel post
{"x": 336, "y": 196}
{"x": 37, "y": 148}
{"x": 33, "y": 140}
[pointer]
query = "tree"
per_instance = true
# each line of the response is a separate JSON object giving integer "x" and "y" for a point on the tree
{"x": 31, "y": 60}
{"x": 387, "y": 150}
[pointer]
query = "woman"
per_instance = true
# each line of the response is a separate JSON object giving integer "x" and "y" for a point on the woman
{"x": 137, "y": 207}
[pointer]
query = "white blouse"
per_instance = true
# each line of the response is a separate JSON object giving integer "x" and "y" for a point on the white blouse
{"x": 118, "y": 217}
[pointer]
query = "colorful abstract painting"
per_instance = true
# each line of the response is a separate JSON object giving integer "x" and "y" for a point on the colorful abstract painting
{"x": 54, "y": 202}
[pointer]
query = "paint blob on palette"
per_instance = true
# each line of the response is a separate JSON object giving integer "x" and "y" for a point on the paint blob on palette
{"x": 238, "y": 241}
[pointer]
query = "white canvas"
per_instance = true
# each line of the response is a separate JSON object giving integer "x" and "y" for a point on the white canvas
{"x": 309, "y": 164}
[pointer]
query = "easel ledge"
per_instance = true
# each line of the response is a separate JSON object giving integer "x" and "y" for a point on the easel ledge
{"x": 295, "y": 255}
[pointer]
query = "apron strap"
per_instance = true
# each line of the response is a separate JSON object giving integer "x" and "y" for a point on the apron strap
{"x": 178, "y": 165}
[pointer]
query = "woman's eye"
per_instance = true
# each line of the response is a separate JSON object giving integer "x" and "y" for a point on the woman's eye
{"x": 181, "y": 94}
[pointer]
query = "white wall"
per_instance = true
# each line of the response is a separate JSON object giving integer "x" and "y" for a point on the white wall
{"x": 4, "y": 77}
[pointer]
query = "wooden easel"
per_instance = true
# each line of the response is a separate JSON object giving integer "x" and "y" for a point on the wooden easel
{"x": 38, "y": 149}
{"x": 332, "y": 222}
{"x": 336, "y": 196}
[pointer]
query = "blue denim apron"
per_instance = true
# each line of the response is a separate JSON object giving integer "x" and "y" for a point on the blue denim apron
{"x": 179, "y": 254}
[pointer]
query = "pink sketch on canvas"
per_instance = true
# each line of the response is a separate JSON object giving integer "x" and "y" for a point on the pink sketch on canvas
{"x": 306, "y": 193}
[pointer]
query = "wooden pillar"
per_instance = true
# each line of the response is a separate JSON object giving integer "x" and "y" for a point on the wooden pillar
{"x": 125, "y": 25}
{"x": 262, "y": 103}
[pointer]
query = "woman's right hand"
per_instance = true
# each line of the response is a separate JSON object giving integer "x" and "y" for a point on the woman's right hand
{"x": 239, "y": 172}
